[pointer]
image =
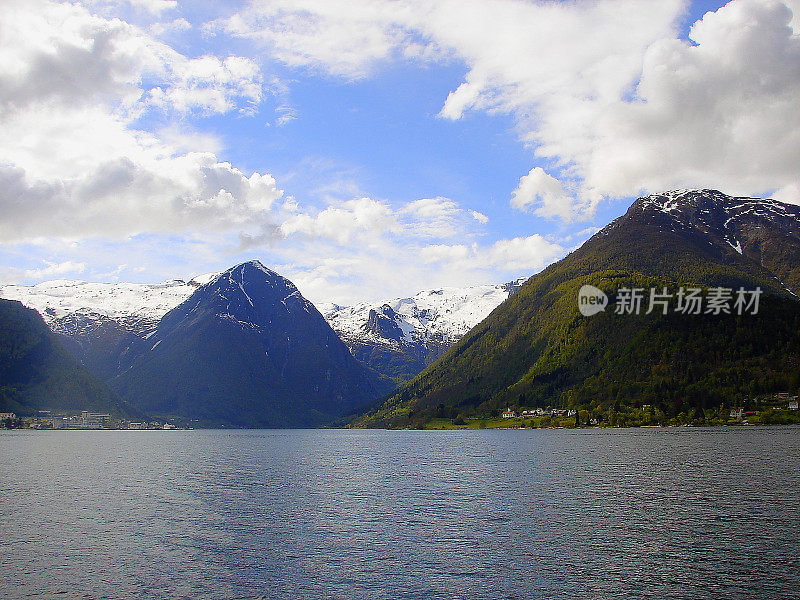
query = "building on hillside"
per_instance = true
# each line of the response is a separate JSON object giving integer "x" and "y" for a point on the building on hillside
{"x": 509, "y": 414}
{"x": 736, "y": 413}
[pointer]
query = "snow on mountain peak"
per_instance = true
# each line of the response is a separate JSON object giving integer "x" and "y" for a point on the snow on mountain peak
{"x": 439, "y": 316}
{"x": 144, "y": 303}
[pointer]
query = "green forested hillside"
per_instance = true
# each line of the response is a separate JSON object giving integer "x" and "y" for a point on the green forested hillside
{"x": 536, "y": 349}
{"x": 37, "y": 373}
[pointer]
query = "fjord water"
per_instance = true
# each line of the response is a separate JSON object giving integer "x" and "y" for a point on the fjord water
{"x": 312, "y": 514}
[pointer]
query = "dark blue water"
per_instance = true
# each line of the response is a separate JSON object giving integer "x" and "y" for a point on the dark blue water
{"x": 647, "y": 513}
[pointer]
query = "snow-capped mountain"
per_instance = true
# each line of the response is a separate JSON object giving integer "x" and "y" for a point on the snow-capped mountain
{"x": 137, "y": 307}
{"x": 717, "y": 215}
{"x": 762, "y": 235}
{"x": 441, "y": 316}
{"x": 400, "y": 337}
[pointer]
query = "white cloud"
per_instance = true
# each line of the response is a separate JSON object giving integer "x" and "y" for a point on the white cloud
{"x": 722, "y": 113}
{"x": 437, "y": 253}
{"x": 479, "y": 217}
{"x": 169, "y": 27}
{"x": 365, "y": 248}
{"x": 604, "y": 91}
{"x": 531, "y": 253}
{"x": 384, "y": 268}
{"x": 364, "y": 217}
{"x": 521, "y": 254}
{"x": 52, "y": 53}
{"x": 436, "y": 218}
{"x": 72, "y": 161}
{"x": 155, "y": 7}
{"x": 339, "y": 36}
{"x": 51, "y": 270}
{"x": 544, "y": 194}
{"x": 366, "y": 220}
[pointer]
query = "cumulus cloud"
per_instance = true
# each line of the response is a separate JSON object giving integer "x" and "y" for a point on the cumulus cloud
{"x": 367, "y": 219}
{"x": 479, "y": 217}
{"x": 61, "y": 54}
{"x": 521, "y": 254}
{"x": 329, "y": 273}
{"x": 155, "y": 7}
{"x": 168, "y": 27}
{"x": 604, "y": 91}
{"x": 72, "y": 162}
{"x": 48, "y": 270}
{"x": 721, "y": 112}
{"x": 438, "y": 218}
{"x": 365, "y": 248}
{"x": 56, "y": 269}
{"x": 544, "y": 194}
{"x": 364, "y": 217}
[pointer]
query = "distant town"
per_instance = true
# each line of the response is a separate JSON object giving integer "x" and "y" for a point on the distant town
{"x": 45, "y": 419}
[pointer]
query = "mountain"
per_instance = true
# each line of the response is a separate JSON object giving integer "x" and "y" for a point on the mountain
{"x": 105, "y": 324}
{"x": 537, "y": 349}
{"x": 246, "y": 349}
{"x": 398, "y": 338}
{"x": 37, "y": 373}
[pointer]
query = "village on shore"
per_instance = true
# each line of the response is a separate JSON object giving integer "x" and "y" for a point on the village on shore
{"x": 46, "y": 419}
{"x": 777, "y": 409}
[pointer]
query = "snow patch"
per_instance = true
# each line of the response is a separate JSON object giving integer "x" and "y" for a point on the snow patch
{"x": 442, "y": 315}
{"x": 118, "y": 301}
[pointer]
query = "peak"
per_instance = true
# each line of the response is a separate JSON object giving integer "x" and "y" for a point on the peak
{"x": 672, "y": 200}
{"x": 705, "y": 210}
{"x": 253, "y": 273}
{"x": 684, "y": 203}
{"x": 253, "y": 264}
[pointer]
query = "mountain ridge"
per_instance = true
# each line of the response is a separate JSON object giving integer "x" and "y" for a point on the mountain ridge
{"x": 104, "y": 324}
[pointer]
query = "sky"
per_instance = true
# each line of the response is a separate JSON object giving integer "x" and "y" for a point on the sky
{"x": 370, "y": 149}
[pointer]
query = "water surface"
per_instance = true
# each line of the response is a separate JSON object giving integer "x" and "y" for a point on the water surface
{"x": 312, "y": 514}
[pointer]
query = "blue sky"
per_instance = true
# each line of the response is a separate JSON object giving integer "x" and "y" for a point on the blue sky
{"x": 372, "y": 149}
